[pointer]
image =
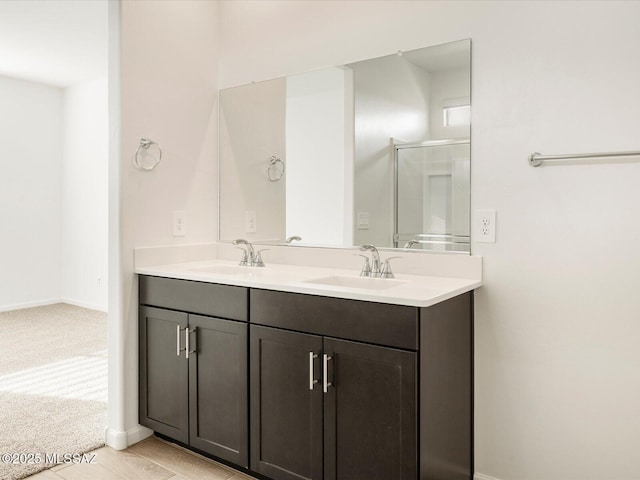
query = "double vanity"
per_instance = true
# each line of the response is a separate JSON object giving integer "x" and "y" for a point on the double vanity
{"x": 318, "y": 365}
{"x": 305, "y": 372}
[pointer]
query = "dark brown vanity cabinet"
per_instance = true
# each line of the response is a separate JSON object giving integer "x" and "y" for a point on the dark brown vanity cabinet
{"x": 193, "y": 368}
{"x": 164, "y": 376}
{"x": 348, "y": 390}
{"x": 370, "y": 412}
{"x": 329, "y": 408}
{"x": 295, "y": 386}
{"x": 286, "y": 404}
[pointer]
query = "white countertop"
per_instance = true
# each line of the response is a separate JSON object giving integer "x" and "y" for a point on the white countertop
{"x": 405, "y": 289}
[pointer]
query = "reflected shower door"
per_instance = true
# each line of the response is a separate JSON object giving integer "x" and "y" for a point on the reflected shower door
{"x": 432, "y": 196}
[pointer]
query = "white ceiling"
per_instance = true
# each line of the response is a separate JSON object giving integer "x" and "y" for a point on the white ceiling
{"x": 55, "y": 42}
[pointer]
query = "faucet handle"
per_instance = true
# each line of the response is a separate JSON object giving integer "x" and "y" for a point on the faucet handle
{"x": 385, "y": 271}
{"x": 257, "y": 259}
{"x": 366, "y": 268}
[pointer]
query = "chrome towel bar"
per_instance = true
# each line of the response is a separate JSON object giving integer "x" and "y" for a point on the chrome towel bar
{"x": 536, "y": 159}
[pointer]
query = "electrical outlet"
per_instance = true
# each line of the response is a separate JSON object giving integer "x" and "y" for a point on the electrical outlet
{"x": 485, "y": 226}
{"x": 179, "y": 224}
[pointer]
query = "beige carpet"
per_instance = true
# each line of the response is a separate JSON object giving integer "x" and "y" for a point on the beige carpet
{"x": 53, "y": 385}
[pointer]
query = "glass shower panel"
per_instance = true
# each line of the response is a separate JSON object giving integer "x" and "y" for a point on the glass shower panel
{"x": 432, "y": 196}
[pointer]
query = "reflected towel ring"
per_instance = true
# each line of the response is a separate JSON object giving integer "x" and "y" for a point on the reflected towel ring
{"x": 275, "y": 169}
{"x": 145, "y": 159}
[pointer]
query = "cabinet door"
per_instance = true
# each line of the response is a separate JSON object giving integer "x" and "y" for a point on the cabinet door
{"x": 218, "y": 407}
{"x": 370, "y": 413}
{"x": 286, "y": 406}
{"x": 164, "y": 372}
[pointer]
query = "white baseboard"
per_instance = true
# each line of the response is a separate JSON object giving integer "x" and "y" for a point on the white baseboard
{"x": 137, "y": 434}
{"x": 51, "y": 301}
{"x": 120, "y": 440}
{"x": 482, "y": 476}
{"x": 116, "y": 439}
{"x": 38, "y": 303}
{"x": 90, "y": 306}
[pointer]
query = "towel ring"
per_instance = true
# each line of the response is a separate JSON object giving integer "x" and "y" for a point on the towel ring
{"x": 275, "y": 169}
{"x": 145, "y": 158}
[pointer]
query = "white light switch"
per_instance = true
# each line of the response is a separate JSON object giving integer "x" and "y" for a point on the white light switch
{"x": 250, "y": 221}
{"x": 179, "y": 223}
{"x": 363, "y": 221}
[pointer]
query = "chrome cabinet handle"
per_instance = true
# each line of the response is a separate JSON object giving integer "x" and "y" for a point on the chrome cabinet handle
{"x": 187, "y": 334}
{"x": 312, "y": 381}
{"x": 325, "y": 373}
{"x": 178, "y": 349}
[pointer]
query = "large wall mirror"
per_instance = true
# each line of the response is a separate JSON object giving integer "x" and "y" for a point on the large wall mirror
{"x": 376, "y": 151}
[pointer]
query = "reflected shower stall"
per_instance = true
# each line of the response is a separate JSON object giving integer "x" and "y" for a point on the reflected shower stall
{"x": 432, "y": 191}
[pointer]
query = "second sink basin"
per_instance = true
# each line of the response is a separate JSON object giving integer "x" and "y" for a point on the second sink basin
{"x": 357, "y": 282}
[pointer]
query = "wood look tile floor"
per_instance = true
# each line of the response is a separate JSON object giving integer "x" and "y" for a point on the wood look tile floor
{"x": 152, "y": 459}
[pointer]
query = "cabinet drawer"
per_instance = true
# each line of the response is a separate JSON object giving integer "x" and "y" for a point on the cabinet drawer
{"x": 223, "y": 301}
{"x": 379, "y": 323}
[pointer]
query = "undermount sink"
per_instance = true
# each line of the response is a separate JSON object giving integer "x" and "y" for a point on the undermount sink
{"x": 357, "y": 282}
{"x": 224, "y": 269}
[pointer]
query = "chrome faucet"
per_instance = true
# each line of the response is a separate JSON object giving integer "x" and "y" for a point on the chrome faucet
{"x": 250, "y": 258}
{"x": 374, "y": 270}
{"x": 248, "y": 254}
{"x": 411, "y": 243}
